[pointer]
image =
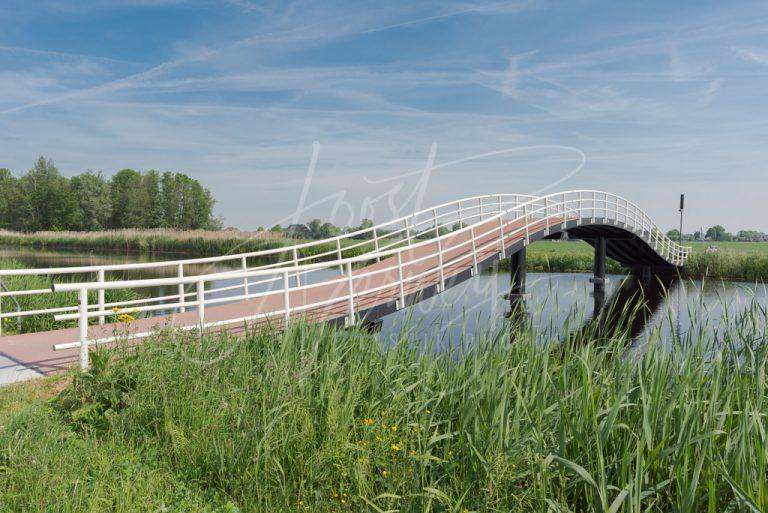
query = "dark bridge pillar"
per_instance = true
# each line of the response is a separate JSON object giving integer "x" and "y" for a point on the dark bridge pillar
{"x": 598, "y": 279}
{"x": 517, "y": 273}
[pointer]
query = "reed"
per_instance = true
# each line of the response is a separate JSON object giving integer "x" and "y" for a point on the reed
{"x": 322, "y": 420}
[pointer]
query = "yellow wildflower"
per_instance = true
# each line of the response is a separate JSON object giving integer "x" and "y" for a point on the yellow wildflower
{"x": 395, "y": 447}
{"x": 367, "y": 421}
{"x": 126, "y": 318}
{"x": 394, "y": 429}
{"x": 385, "y": 472}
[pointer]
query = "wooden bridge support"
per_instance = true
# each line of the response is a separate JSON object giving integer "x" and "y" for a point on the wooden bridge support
{"x": 598, "y": 279}
{"x": 517, "y": 273}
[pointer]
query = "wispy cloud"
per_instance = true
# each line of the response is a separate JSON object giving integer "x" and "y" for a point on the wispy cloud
{"x": 755, "y": 55}
{"x": 239, "y": 102}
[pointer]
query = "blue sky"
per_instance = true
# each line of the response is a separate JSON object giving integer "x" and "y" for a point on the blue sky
{"x": 645, "y": 99}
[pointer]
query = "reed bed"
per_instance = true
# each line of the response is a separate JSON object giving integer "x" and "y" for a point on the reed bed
{"x": 322, "y": 420}
{"x": 728, "y": 264}
{"x": 161, "y": 240}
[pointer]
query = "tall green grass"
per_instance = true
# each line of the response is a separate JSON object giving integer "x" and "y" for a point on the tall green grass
{"x": 322, "y": 420}
{"x": 728, "y": 264}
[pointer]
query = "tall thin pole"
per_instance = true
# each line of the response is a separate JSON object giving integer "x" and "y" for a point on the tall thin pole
{"x": 682, "y": 206}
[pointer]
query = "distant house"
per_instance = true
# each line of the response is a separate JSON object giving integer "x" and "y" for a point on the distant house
{"x": 298, "y": 231}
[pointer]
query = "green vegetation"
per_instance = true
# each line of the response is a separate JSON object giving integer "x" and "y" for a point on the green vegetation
{"x": 321, "y": 420}
{"x": 44, "y": 301}
{"x": 42, "y": 199}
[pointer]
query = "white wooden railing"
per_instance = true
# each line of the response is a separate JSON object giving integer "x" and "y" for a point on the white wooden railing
{"x": 297, "y": 269}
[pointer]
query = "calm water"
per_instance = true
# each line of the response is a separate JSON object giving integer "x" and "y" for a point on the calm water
{"x": 477, "y": 306}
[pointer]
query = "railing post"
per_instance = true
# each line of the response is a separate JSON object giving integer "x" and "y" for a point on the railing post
{"x": 182, "y": 297}
{"x": 350, "y": 297}
{"x": 407, "y": 232}
{"x": 440, "y": 265}
{"x": 594, "y": 207}
{"x": 376, "y": 244}
{"x": 474, "y": 251}
{"x": 338, "y": 254}
{"x": 434, "y": 221}
{"x": 100, "y": 294}
{"x": 286, "y": 300}
{"x": 244, "y": 266}
{"x": 480, "y": 208}
{"x": 461, "y": 217}
{"x": 400, "y": 278}
{"x": 82, "y": 310}
{"x": 503, "y": 250}
{"x": 525, "y": 222}
{"x": 296, "y": 264}
{"x": 546, "y": 216}
{"x": 201, "y": 304}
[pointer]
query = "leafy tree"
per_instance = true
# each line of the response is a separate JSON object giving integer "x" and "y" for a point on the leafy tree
{"x": 153, "y": 216}
{"x": 315, "y": 225}
{"x": 93, "y": 195}
{"x": 674, "y": 234}
{"x": 276, "y": 229}
{"x": 718, "y": 233}
{"x": 11, "y": 201}
{"x": 186, "y": 204}
{"x": 49, "y": 203}
{"x": 750, "y": 235}
{"x": 328, "y": 230}
{"x": 129, "y": 200}
{"x": 364, "y": 225}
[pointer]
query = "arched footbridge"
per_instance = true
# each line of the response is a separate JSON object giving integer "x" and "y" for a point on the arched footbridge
{"x": 356, "y": 276}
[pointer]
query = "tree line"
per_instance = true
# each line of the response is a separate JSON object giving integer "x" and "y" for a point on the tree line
{"x": 719, "y": 233}
{"x": 43, "y": 199}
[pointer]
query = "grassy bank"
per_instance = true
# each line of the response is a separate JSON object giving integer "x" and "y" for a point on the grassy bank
{"x": 319, "y": 420}
{"x": 44, "y": 301}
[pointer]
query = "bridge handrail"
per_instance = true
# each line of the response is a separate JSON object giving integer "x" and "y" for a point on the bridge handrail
{"x": 253, "y": 254}
{"x": 612, "y": 208}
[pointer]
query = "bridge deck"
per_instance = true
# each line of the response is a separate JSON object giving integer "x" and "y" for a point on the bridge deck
{"x": 33, "y": 352}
